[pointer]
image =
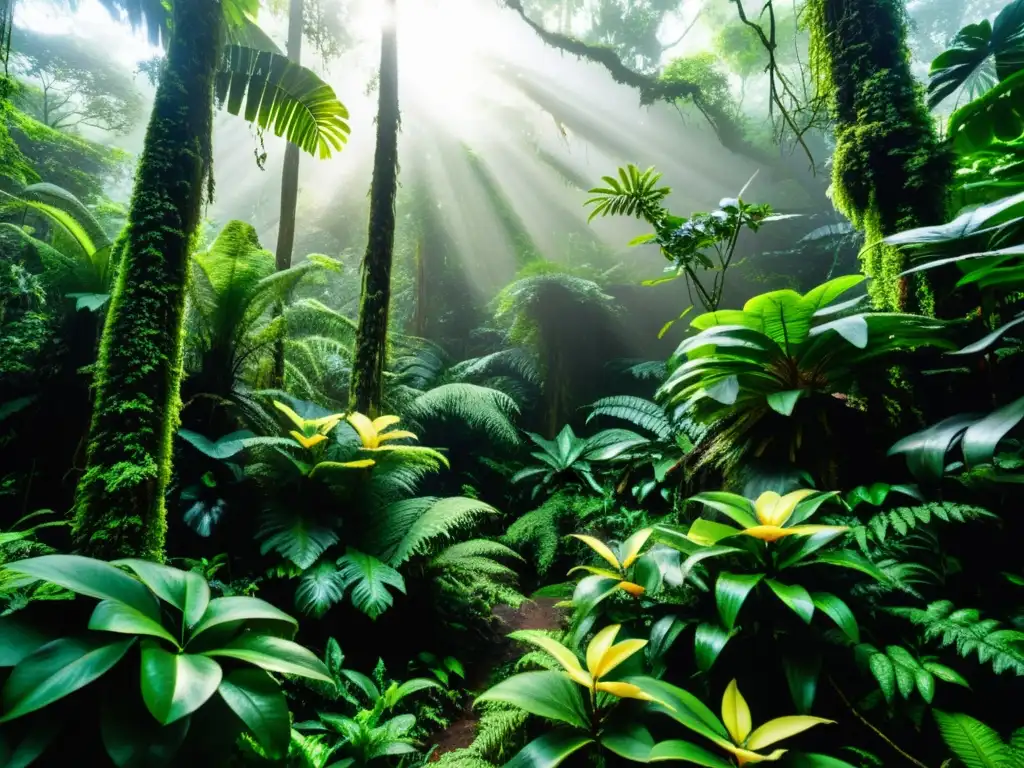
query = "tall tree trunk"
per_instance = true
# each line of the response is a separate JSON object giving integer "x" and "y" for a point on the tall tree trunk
{"x": 120, "y": 499}
{"x": 371, "y": 336}
{"x": 890, "y": 172}
{"x": 289, "y": 187}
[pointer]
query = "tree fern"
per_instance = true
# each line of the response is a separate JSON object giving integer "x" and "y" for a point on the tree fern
{"x": 479, "y": 407}
{"x": 279, "y": 94}
{"x": 970, "y": 634}
{"x": 633, "y": 193}
{"x": 974, "y": 743}
{"x": 636, "y": 410}
{"x": 470, "y": 568}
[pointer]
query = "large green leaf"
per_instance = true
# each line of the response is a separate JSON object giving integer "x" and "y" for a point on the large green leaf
{"x": 981, "y": 438}
{"x": 802, "y": 670}
{"x": 369, "y": 579}
{"x": 547, "y": 694}
{"x": 321, "y": 587}
{"x": 683, "y": 707}
{"x": 19, "y": 639}
{"x": 258, "y": 701}
{"x": 281, "y": 95}
{"x": 186, "y": 591}
{"x": 976, "y": 744}
{"x": 112, "y": 616}
{"x": 233, "y": 611}
{"x": 90, "y": 577}
{"x": 631, "y": 741}
{"x": 176, "y": 684}
{"x": 683, "y": 751}
{"x": 785, "y": 316}
{"x": 708, "y": 643}
{"x": 839, "y": 612}
{"x": 737, "y": 507}
{"x": 796, "y": 598}
{"x": 275, "y": 654}
{"x": 550, "y": 750}
{"x": 731, "y": 591}
{"x": 58, "y": 669}
{"x": 926, "y": 450}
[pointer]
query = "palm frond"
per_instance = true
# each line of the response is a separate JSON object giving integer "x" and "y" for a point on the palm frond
{"x": 633, "y": 193}
{"x": 280, "y": 94}
{"x": 636, "y": 410}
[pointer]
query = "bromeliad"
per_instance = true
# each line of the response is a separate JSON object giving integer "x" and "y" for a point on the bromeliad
{"x": 769, "y": 518}
{"x": 309, "y": 432}
{"x": 629, "y": 551}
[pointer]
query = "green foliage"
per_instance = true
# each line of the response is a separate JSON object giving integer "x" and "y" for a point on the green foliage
{"x": 282, "y": 95}
{"x": 974, "y": 743}
{"x": 898, "y": 670}
{"x": 180, "y": 633}
{"x": 481, "y": 408}
{"x": 704, "y": 70}
{"x": 540, "y": 530}
{"x": 900, "y": 520}
{"x": 965, "y": 630}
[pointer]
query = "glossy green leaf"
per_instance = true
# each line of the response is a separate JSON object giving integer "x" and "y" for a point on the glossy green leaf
{"x": 274, "y": 654}
{"x": 708, "y": 643}
{"x": 58, "y": 669}
{"x": 234, "y": 610}
{"x": 186, "y": 591}
{"x": 982, "y": 437}
{"x": 113, "y": 616}
{"x": 946, "y": 674}
{"x": 550, "y": 750}
{"x": 975, "y": 743}
{"x": 631, "y": 741}
{"x": 682, "y": 706}
{"x": 18, "y": 639}
{"x": 733, "y": 505}
{"x": 731, "y": 591}
{"x": 795, "y": 597}
{"x": 802, "y": 671}
{"x": 709, "y": 531}
{"x": 547, "y": 694}
{"x": 258, "y": 701}
{"x": 176, "y": 684}
{"x": 839, "y": 612}
{"x": 848, "y": 559}
{"x": 683, "y": 751}
{"x": 704, "y": 554}
{"x": 784, "y": 402}
{"x": 798, "y": 548}
{"x": 93, "y": 578}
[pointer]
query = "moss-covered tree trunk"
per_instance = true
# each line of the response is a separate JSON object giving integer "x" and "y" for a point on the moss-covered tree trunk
{"x": 289, "y": 186}
{"x": 371, "y": 337}
{"x": 120, "y": 499}
{"x": 890, "y": 172}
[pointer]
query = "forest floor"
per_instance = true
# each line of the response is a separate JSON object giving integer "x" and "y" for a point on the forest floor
{"x": 535, "y": 614}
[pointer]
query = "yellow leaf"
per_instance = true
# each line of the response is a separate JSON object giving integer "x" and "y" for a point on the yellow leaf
{"x": 617, "y": 654}
{"x": 744, "y": 756}
{"x": 563, "y": 656}
{"x": 632, "y": 546}
{"x": 594, "y": 570}
{"x": 773, "y": 509}
{"x": 625, "y": 691}
{"x": 810, "y": 530}
{"x": 398, "y": 434}
{"x": 599, "y": 647}
{"x": 307, "y": 442}
{"x": 634, "y": 589}
{"x": 782, "y": 728}
{"x": 735, "y": 713}
{"x": 769, "y": 532}
{"x": 325, "y": 424}
{"x": 600, "y": 547}
{"x": 364, "y": 427}
{"x": 292, "y": 415}
{"x": 383, "y": 422}
{"x": 358, "y": 463}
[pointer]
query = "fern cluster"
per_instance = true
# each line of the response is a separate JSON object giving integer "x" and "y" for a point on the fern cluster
{"x": 965, "y": 630}
{"x": 540, "y": 530}
{"x": 499, "y": 734}
{"x": 901, "y": 520}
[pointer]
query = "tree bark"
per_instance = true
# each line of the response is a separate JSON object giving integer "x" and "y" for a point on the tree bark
{"x": 119, "y": 509}
{"x": 371, "y": 336}
{"x": 289, "y": 187}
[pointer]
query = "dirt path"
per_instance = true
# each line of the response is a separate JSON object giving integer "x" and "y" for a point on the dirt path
{"x": 536, "y": 614}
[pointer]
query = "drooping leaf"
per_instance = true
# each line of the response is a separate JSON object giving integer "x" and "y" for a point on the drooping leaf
{"x": 113, "y": 616}
{"x": 731, "y": 591}
{"x": 546, "y": 694}
{"x": 550, "y": 750}
{"x": 795, "y": 597}
{"x": 234, "y": 610}
{"x": 186, "y": 591}
{"x": 175, "y": 685}
{"x": 258, "y": 701}
{"x": 274, "y": 654}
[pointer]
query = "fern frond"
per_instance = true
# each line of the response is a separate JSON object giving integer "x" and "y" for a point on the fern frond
{"x": 294, "y": 537}
{"x": 536, "y": 660}
{"x": 964, "y": 629}
{"x": 538, "y": 532}
{"x": 476, "y": 548}
{"x": 649, "y": 370}
{"x": 515, "y": 361}
{"x": 412, "y": 526}
{"x": 636, "y": 410}
{"x": 974, "y": 743}
{"x": 478, "y": 407}
{"x": 903, "y": 519}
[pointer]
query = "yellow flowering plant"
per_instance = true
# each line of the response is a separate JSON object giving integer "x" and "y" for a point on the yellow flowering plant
{"x": 767, "y": 541}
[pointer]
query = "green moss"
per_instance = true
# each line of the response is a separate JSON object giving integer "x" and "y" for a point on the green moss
{"x": 890, "y": 171}
{"x": 120, "y": 505}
